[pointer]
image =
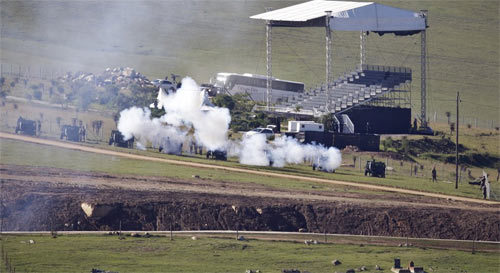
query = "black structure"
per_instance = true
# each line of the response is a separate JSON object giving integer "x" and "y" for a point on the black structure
{"x": 365, "y": 142}
{"x": 380, "y": 120}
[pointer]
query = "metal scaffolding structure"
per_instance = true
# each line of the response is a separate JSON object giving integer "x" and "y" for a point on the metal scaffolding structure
{"x": 328, "y": 77}
{"x": 362, "y": 48}
{"x": 423, "y": 73}
{"x": 268, "y": 64}
{"x": 349, "y": 16}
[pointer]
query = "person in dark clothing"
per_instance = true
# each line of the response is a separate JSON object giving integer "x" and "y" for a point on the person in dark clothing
{"x": 434, "y": 175}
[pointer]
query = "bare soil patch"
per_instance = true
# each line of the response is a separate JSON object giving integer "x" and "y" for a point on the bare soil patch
{"x": 36, "y": 198}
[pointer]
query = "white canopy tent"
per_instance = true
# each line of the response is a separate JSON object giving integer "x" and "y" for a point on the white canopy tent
{"x": 346, "y": 16}
{"x": 349, "y": 16}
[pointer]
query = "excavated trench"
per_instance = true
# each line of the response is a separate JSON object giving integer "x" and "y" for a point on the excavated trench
{"x": 65, "y": 208}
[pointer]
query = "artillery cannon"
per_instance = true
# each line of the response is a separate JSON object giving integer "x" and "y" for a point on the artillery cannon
{"x": 28, "y": 127}
{"x": 375, "y": 168}
{"x": 117, "y": 139}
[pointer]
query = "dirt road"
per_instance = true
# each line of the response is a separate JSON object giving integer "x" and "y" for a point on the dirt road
{"x": 242, "y": 170}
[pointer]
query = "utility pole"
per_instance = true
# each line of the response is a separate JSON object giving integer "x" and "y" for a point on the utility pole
{"x": 456, "y": 145}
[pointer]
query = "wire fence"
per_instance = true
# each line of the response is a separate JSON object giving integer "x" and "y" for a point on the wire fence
{"x": 31, "y": 72}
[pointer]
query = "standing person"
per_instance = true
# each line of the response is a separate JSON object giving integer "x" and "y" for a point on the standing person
{"x": 434, "y": 174}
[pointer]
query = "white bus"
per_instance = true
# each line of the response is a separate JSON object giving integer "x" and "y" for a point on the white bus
{"x": 256, "y": 86}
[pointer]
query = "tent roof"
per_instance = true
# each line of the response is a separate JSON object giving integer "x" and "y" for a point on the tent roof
{"x": 346, "y": 16}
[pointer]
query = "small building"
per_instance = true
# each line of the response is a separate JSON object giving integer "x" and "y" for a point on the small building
{"x": 304, "y": 126}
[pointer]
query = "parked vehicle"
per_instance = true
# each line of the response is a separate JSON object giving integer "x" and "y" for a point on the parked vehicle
{"x": 266, "y": 131}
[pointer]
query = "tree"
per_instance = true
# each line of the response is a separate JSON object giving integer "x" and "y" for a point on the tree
{"x": 84, "y": 96}
{"x": 389, "y": 142}
{"x": 224, "y": 101}
{"x": 116, "y": 117}
{"x": 4, "y": 93}
{"x": 448, "y": 114}
{"x": 37, "y": 94}
{"x": 96, "y": 126}
{"x": 405, "y": 145}
{"x": 327, "y": 121}
{"x": 384, "y": 144}
{"x": 58, "y": 121}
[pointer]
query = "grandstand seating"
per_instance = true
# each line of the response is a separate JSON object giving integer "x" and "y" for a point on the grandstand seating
{"x": 348, "y": 90}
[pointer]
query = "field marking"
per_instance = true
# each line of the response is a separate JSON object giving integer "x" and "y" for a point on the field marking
{"x": 241, "y": 170}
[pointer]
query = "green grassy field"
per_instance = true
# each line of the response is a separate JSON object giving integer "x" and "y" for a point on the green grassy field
{"x": 80, "y": 253}
{"x": 42, "y": 155}
{"x": 201, "y": 38}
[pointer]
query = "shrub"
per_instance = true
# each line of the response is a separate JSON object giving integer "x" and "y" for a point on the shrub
{"x": 37, "y": 94}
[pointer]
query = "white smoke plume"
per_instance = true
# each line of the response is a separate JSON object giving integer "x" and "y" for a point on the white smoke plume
{"x": 136, "y": 122}
{"x": 189, "y": 107}
{"x": 255, "y": 150}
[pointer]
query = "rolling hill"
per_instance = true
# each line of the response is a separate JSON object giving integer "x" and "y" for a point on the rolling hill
{"x": 201, "y": 38}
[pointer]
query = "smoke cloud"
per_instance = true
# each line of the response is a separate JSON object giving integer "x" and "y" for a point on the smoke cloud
{"x": 190, "y": 107}
{"x": 136, "y": 122}
{"x": 189, "y": 114}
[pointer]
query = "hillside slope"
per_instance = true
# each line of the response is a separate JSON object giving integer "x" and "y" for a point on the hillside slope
{"x": 200, "y": 38}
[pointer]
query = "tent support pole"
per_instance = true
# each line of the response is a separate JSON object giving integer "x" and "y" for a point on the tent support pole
{"x": 268, "y": 64}
{"x": 328, "y": 58}
{"x": 423, "y": 74}
{"x": 362, "y": 49}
